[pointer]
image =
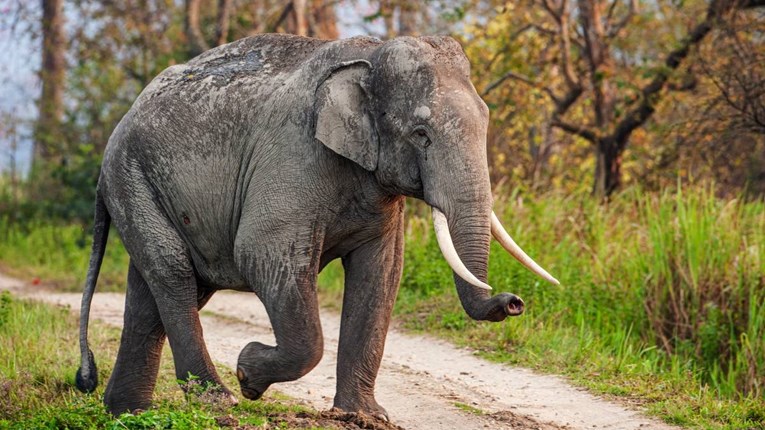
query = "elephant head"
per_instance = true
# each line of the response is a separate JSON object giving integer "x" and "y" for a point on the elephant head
{"x": 410, "y": 115}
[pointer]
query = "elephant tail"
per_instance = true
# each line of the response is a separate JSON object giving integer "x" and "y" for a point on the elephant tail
{"x": 87, "y": 375}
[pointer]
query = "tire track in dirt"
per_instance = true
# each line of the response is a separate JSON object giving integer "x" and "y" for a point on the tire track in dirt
{"x": 424, "y": 383}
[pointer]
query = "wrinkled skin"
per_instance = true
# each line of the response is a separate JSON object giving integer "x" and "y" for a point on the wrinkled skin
{"x": 257, "y": 163}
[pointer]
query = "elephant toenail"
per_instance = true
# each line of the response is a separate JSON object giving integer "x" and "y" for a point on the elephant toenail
{"x": 240, "y": 374}
{"x": 250, "y": 393}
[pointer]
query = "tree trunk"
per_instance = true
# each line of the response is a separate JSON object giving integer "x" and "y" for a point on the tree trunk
{"x": 608, "y": 169}
{"x": 323, "y": 20}
{"x": 221, "y": 30}
{"x": 51, "y": 107}
{"x": 597, "y": 55}
{"x": 196, "y": 41}
{"x": 297, "y": 22}
{"x": 541, "y": 142}
{"x": 386, "y": 10}
{"x": 599, "y": 61}
{"x": 409, "y": 14}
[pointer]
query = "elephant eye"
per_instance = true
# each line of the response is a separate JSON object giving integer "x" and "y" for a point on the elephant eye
{"x": 420, "y": 137}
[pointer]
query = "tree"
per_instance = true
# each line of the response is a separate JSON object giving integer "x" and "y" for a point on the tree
{"x": 297, "y": 22}
{"x": 197, "y": 43}
{"x": 413, "y": 17}
{"x": 52, "y": 75}
{"x": 719, "y": 132}
{"x": 410, "y": 17}
{"x": 737, "y": 69}
{"x": 611, "y": 102}
{"x": 314, "y": 18}
{"x": 322, "y": 20}
{"x": 224, "y": 15}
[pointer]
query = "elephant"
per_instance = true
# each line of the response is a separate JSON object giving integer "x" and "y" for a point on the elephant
{"x": 254, "y": 165}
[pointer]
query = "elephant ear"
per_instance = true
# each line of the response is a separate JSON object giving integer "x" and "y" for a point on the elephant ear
{"x": 343, "y": 121}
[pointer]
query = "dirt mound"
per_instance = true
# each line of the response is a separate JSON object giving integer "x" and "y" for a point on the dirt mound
{"x": 333, "y": 419}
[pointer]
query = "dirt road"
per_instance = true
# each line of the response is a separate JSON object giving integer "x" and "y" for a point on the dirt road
{"x": 424, "y": 383}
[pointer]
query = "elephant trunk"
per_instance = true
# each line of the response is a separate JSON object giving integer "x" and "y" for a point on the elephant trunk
{"x": 464, "y": 241}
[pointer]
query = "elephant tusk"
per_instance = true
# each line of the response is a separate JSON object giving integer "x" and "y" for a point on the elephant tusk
{"x": 509, "y": 244}
{"x": 450, "y": 254}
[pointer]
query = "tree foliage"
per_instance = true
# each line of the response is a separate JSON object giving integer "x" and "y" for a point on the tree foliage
{"x": 584, "y": 93}
{"x": 580, "y": 80}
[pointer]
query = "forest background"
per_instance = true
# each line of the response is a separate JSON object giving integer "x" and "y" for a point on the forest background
{"x": 626, "y": 144}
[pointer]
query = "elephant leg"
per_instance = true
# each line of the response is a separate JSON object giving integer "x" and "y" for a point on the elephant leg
{"x": 177, "y": 296}
{"x": 163, "y": 259}
{"x": 293, "y": 309}
{"x": 372, "y": 275}
{"x": 134, "y": 376}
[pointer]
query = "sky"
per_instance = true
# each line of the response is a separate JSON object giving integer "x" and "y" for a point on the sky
{"x": 20, "y": 62}
{"x": 19, "y": 83}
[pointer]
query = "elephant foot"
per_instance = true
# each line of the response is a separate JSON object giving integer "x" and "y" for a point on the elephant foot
{"x": 248, "y": 370}
{"x": 367, "y": 406}
{"x": 250, "y": 390}
{"x": 261, "y": 365}
{"x": 118, "y": 405}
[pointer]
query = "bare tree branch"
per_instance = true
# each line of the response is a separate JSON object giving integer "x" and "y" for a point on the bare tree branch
{"x": 578, "y": 130}
{"x": 517, "y": 33}
{"x": 646, "y": 106}
{"x": 518, "y": 77}
{"x": 543, "y": 30}
{"x": 614, "y": 29}
{"x": 611, "y": 9}
{"x": 221, "y": 29}
{"x": 563, "y": 104}
{"x": 197, "y": 43}
{"x": 565, "y": 46}
{"x": 282, "y": 17}
{"x": 299, "y": 9}
{"x": 553, "y": 10}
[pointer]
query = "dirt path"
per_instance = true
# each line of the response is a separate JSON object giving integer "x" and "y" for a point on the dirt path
{"x": 424, "y": 383}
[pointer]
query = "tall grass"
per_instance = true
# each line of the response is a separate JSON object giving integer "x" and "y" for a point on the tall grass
{"x": 702, "y": 270}
{"x": 57, "y": 253}
{"x": 661, "y": 298}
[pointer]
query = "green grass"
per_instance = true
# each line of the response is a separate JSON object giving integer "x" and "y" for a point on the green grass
{"x": 469, "y": 409}
{"x": 38, "y": 359}
{"x": 661, "y": 304}
{"x": 57, "y": 254}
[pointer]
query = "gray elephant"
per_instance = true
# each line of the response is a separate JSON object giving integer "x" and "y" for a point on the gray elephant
{"x": 257, "y": 163}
